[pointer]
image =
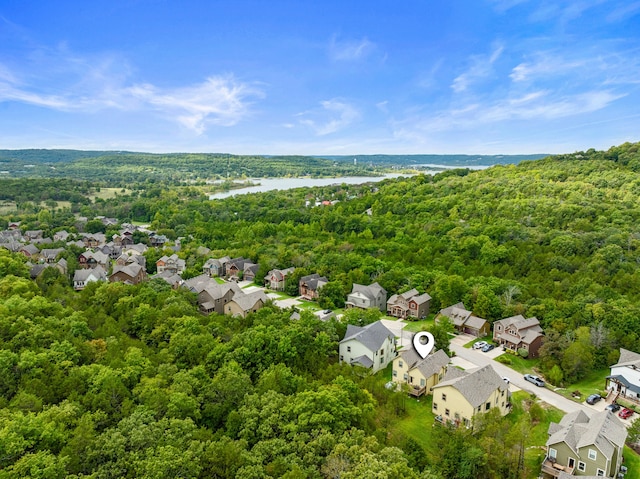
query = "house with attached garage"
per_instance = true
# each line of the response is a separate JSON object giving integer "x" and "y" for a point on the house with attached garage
{"x": 82, "y": 277}
{"x": 581, "y": 446}
{"x": 516, "y": 333}
{"x": 409, "y": 304}
{"x": 213, "y": 297}
{"x": 276, "y": 279}
{"x": 242, "y": 304}
{"x": 372, "y": 346}
{"x": 464, "y": 321}
{"x": 421, "y": 374}
{"x": 364, "y": 297}
{"x": 310, "y": 285}
{"x": 624, "y": 380}
{"x": 462, "y": 395}
{"x": 130, "y": 274}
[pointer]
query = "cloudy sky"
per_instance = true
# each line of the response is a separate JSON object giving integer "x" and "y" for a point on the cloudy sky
{"x": 320, "y": 77}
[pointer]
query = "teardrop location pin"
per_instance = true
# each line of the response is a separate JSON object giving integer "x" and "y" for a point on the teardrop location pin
{"x": 423, "y": 343}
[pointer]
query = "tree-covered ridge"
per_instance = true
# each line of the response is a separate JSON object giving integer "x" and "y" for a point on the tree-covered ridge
{"x": 459, "y": 161}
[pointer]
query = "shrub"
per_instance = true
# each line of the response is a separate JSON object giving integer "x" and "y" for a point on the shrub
{"x": 523, "y": 353}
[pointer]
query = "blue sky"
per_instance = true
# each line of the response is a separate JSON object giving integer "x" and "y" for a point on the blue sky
{"x": 320, "y": 77}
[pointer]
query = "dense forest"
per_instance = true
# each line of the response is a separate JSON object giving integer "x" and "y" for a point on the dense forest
{"x": 132, "y": 381}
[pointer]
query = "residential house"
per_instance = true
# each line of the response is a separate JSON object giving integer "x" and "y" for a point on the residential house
{"x": 421, "y": 374}
{"x": 30, "y": 251}
{"x": 91, "y": 259}
{"x": 234, "y": 268}
{"x": 172, "y": 279}
{"x": 49, "y": 255}
{"x": 309, "y": 285}
{"x": 82, "y": 277}
{"x": 62, "y": 235}
{"x": 157, "y": 241}
{"x": 32, "y": 235}
{"x": 517, "y": 333}
{"x": 131, "y": 274}
{"x": 461, "y": 395}
{"x": 581, "y": 446}
{"x": 409, "y": 304}
{"x": 242, "y": 304}
{"x": 111, "y": 249}
{"x": 13, "y": 246}
{"x": 135, "y": 249}
{"x": 372, "y": 346}
{"x": 215, "y": 267}
{"x": 464, "y": 321}
{"x": 364, "y": 297}
{"x": 250, "y": 271}
{"x": 213, "y": 297}
{"x": 276, "y": 278}
{"x": 172, "y": 263}
{"x": 14, "y": 225}
{"x": 93, "y": 240}
{"x": 624, "y": 380}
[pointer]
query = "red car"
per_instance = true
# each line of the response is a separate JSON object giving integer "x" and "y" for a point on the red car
{"x": 625, "y": 413}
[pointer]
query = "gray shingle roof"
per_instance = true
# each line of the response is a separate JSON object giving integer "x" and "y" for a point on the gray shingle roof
{"x": 371, "y": 336}
{"x": 475, "y": 386}
{"x": 628, "y": 358}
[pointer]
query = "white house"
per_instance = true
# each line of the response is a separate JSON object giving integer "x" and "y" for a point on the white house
{"x": 82, "y": 277}
{"x": 624, "y": 380}
{"x": 372, "y": 346}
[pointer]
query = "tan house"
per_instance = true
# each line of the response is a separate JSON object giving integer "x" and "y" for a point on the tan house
{"x": 464, "y": 394}
{"x": 409, "y": 304}
{"x": 464, "y": 321}
{"x": 131, "y": 274}
{"x": 517, "y": 332}
{"x": 420, "y": 374}
{"x": 581, "y": 446}
{"x": 242, "y": 304}
{"x": 213, "y": 297}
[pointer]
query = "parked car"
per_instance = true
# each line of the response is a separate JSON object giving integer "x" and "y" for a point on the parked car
{"x": 613, "y": 407}
{"x": 479, "y": 344}
{"x": 625, "y": 413}
{"x": 488, "y": 348}
{"x": 534, "y": 379}
{"x": 594, "y": 398}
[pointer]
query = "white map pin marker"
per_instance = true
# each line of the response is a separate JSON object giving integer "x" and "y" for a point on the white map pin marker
{"x": 423, "y": 343}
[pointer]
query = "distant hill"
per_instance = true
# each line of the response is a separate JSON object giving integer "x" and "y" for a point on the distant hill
{"x": 443, "y": 160}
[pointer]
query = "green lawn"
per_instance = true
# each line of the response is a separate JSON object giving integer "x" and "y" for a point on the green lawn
{"x": 593, "y": 383}
{"x": 632, "y": 461}
{"x": 417, "y": 424}
{"x": 416, "y": 326}
{"x": 488, "y": 339}
{"x": 517, "y": 362}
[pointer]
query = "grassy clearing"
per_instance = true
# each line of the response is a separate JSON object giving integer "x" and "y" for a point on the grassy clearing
{"x": 108, "y": 193}
{"x": 593, "y": 383}
{"x": 632, "y": 461}
{"x": 417, "y": 424}
{"x": 416, "y": 326}
{"x": 517, "y": 362}
{"x": 8, "y": 207}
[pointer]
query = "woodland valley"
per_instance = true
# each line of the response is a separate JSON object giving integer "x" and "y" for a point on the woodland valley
{"x": 133, "y": 381}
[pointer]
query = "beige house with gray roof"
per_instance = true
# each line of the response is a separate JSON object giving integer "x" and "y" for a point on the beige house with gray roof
{"x": 420, "y": 374}
{"x": 372, "y": 346}
{"x": 583, "y": 447}
{"x": 364, "y": 297}
{"x": 464, "y": 394}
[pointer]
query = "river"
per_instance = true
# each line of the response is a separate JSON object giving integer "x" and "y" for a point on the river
{"x": 270, "y": 184}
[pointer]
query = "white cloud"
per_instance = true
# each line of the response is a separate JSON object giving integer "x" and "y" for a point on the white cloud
{"x": 623, "y": 12}
{"x": 481, "y": 67}
{"x": 350, "y": 50}
{"x": 333, "y": 116}
{"x": 91, "y": 85}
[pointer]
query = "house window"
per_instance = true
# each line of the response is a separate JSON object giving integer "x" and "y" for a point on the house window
{"x": 435, "y": 406}
{"x": 479, "y": 407}
{"x": 444, "y": 397}
{"x": 381, "y": 352}
{"x": 381, "y": 360}
{"x": 593, "y": 455}
{"x": 487, "y": 406}
{"x": 400, "y": 364}
{"x": 341, "y": 357}
{"x": 600, "y": 472}
{"x": 553, "y": 453}
{"x": 446, "y": 412}
{"x": 581, "y": 466}
{"x": 395, "y": 373}
{"x": 422, "y": 383}
{"x": 457, "y": 416}
{"x": 406, "y": 376}
{"x": 348, "y": 349}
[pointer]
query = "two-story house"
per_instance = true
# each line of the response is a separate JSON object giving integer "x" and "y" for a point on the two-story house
{"x": 517, "y": 333}
{"x": 310, "y": 285}
{"x": 364, "y": 297}
{"x": 583, "y": 446}
{"x": 372, "y": 346}
{"x": 276, "y": 279}
{"x": 464, "y": 321}
{"x": 172, "y": 264}
{"x": 421, "y": 374}
{"x": 462, "y": 395}
{"x": 213, "y": 297}
{"x": 215, "y": 267}
{"x": 409, "y": 304}
{"x": 624, "y": 380}
{"x": 82, "y": 277}
{"x": 131, "y": 273}
{"x": 242, "y": 304}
